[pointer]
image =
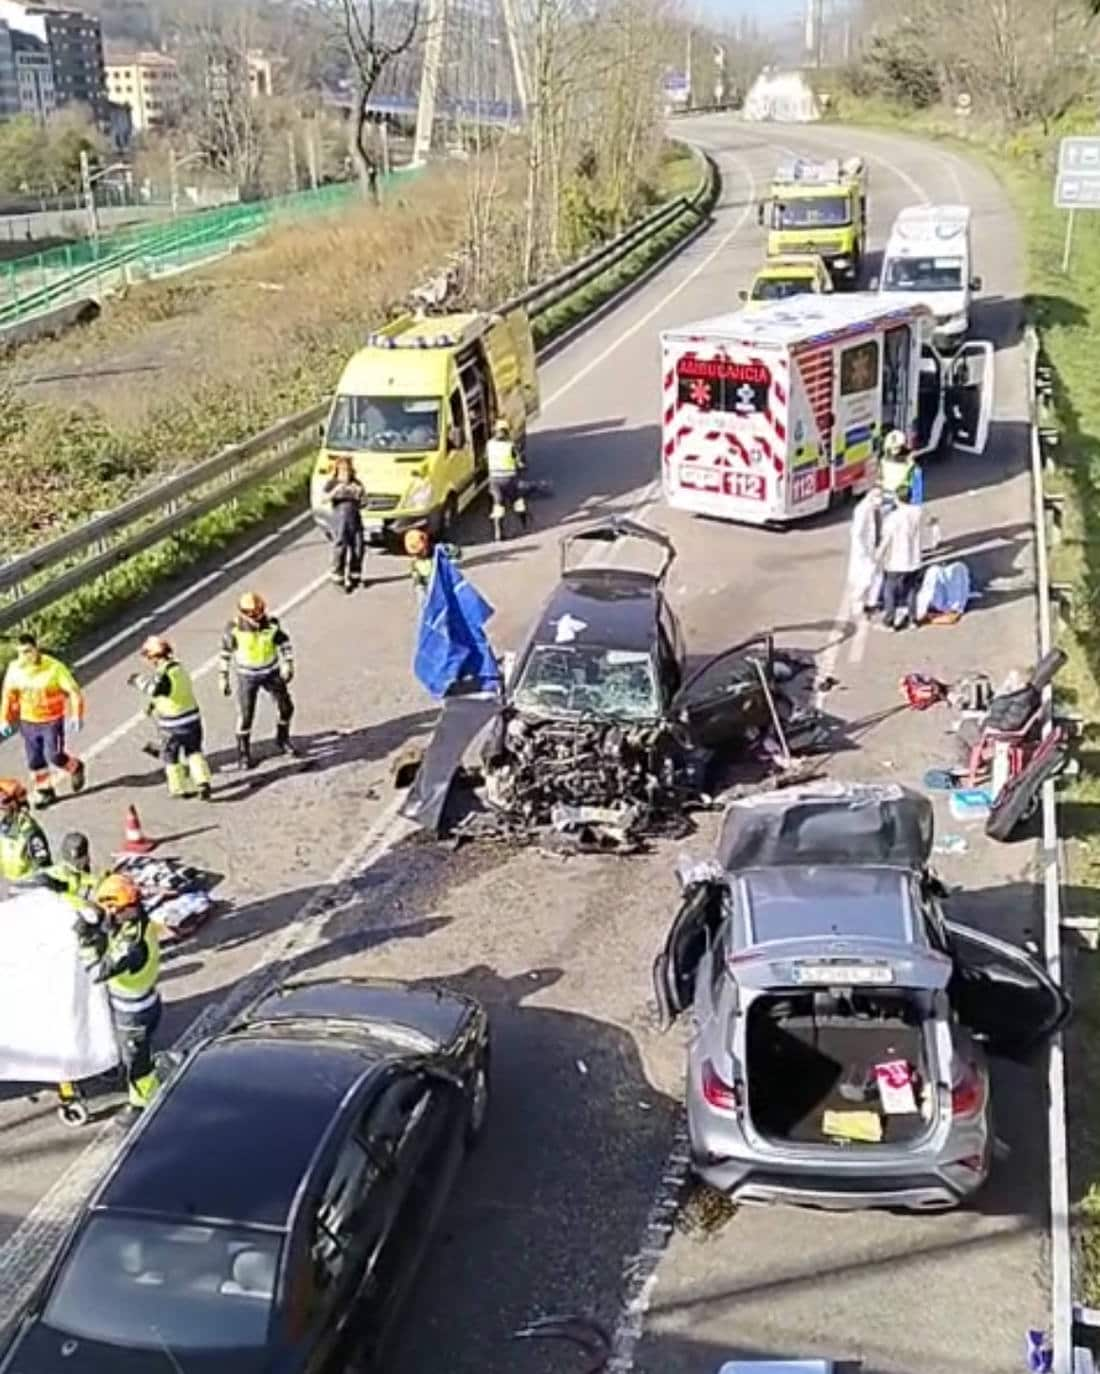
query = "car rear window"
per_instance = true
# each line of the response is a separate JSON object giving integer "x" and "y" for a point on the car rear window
{"x": 792, "y": 904}
{"x": 136, "y": 1282}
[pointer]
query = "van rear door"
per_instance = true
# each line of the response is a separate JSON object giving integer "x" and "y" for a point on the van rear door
{"x": 523, "y": 345}
{"x": 970, "y": 395}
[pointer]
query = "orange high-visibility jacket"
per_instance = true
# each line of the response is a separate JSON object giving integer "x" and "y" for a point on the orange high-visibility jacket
{"x": 40, "y": 693}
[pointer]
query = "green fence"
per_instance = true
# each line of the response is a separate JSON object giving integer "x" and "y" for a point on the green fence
{"x": 92, "y": 266}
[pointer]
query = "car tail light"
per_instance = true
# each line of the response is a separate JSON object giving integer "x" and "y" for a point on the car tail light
{"x": 717, "y": 1092}
{"x": 968, "y": 1094}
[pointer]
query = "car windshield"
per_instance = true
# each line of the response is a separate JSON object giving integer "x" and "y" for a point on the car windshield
{"x": 924, "y": 274}
{"x": 781, "y": 288}
{"x": 617, "y": 684}
{"x": 385, "y": 424}
{"x": 812, "y": 212}
{"x": 139, "y": 1283}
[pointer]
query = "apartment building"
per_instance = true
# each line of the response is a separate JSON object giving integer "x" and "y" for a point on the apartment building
{"x": 34, "y": 76}
{"x": 9, "y": 89}
{"x": 149, "y": 83}
{"x": 74, "y": 43}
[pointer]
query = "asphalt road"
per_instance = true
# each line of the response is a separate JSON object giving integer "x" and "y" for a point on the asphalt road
{"x": 567, "y": 1205}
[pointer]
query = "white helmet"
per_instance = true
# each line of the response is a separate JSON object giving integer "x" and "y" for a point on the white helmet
{"x": 895, "y": 444}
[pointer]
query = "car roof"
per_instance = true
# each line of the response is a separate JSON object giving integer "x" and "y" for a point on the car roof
{"x": 617, "y": 606}
{"x": 234, "y": 1133}
{"x": 850, "y": 902}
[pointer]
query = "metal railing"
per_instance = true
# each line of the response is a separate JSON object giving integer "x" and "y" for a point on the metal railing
{"x": 32, "y": 581}
{"x": 32, "y": 284}
{"x": 1065, "y": 1358}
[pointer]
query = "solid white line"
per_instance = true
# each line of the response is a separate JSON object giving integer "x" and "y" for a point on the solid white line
{"x": 24, "y": 1255}
{"x": 859, "y": 640}
{"x": 110, "y": 739}
{"x": 684, "y": 282}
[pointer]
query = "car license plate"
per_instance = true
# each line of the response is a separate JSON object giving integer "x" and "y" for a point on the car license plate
{"x": 837, "y": 974}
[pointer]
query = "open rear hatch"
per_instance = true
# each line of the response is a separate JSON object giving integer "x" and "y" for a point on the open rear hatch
{"x": 845, "y": 1067}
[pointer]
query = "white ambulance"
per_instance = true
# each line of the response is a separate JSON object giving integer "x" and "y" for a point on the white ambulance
{"x": 768, "y": 414}
{"x": 928, "y": 257}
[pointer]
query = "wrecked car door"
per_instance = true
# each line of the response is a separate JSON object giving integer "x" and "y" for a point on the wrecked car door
{"x": 1002, "y": 994}
{"x": 726, "y": 697}
{"x": 694, "y": 929}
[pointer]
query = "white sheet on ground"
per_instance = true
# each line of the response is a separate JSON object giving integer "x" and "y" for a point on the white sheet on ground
{"x": 55, "y": 1023}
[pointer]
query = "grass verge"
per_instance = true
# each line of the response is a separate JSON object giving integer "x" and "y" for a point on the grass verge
{"x": 83, "y": 611}
{"x": 1065, "y": 309}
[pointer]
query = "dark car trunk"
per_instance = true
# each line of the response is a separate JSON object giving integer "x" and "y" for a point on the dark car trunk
{"x": 813, "y": 1053}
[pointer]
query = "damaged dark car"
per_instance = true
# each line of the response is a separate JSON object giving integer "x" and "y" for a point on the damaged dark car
{"x": 603, "y": 736}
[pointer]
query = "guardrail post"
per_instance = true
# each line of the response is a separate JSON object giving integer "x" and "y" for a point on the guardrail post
{"x": 1063, "y": 596}
{"x": 1054, "y": 503}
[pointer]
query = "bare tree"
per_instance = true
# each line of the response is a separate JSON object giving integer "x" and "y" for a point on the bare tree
{"x": 370, "y": 53}
{"x": 220, "y": 112}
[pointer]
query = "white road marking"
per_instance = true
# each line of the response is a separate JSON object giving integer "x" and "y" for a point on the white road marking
{"x": 120, "y": 731}
{"x": 31, "y": 1246}
{"x": 859, "y": 640}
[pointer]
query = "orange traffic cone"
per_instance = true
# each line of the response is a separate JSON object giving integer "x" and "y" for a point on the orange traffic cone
{"x": 136, "y": 841}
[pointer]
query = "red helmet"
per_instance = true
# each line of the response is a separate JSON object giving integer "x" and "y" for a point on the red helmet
{"x": 417, "y": 543}
{"x": 156, "y": 647}
{"x": 117, "y": 893}
{"x": 12, "y": 794}
{"x": 252, "y": 605}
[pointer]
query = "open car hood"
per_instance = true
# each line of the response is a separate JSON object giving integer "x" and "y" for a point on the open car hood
{"x": 828, "y": 823}
{"x": 610, "y": 532}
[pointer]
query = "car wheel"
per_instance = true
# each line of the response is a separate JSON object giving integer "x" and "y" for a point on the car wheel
{"x": 479, "y": 1103}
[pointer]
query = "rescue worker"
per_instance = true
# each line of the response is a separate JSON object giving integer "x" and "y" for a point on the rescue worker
{"x": 504, "y": 470}
{"x": 421, "y": 550}
{"x": 175, "y": 708}
{"x": 121, "y": 948}
{"x": 898, "y": 469}
{"x": 346, "y": 493}
{"x": 72, "y": 877}
{"x": 24, "y": 848}
{"x": 38, "y": 689}
{"x": 257, "y": 647}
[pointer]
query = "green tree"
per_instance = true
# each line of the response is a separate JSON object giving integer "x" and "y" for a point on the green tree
{"x": 23, "y": 154}
{"x": 70, "y": 132}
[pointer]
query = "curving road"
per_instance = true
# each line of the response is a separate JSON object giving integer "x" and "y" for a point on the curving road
{"x": 567, "y": 1206}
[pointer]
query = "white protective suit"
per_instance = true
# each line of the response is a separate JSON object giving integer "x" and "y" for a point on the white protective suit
{"x": 55, "y": 1023}
{"x": 864, "y": 577}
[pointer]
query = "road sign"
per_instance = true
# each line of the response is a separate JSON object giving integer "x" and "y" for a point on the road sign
{"x": 1078, "y": 184}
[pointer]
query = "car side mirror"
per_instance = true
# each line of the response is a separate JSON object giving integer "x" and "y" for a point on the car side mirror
{"x": 873, "y": 284}
{"x": 975, "y": 283}
{"x": 742, "y": 295}
{"x": 760, "y": 213}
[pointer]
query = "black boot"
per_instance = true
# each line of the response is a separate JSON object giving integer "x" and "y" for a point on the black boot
{"x": 244, "y": 753}
{"x": 283, "y": 742}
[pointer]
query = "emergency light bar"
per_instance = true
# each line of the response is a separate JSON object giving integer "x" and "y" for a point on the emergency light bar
{"x": 415, "y": 341}
{"x": 809, "y": 173}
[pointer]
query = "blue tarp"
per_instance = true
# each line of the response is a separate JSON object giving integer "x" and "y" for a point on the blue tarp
{"x": 451, "y": 642}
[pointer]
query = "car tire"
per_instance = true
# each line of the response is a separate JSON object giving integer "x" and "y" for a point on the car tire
{"x": 479, "y": 1102}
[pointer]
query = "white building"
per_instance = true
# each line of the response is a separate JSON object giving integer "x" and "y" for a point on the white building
{"x": 149, "y": 83}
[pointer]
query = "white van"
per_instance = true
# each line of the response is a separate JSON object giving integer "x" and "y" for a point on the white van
{"x": 928, "y": 257}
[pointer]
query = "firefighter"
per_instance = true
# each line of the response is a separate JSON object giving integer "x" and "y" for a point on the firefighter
{"x": 24, "y": 848}
{"x": 120, "y": 948}
{"x": 175, "y": 708}
{"x": 504, "y": 469}
{"x": 72, "y": 877}
{"x": 37, "y": 691}
{"x": 898, "y": 468}
{"x": 419, "y": 547}
{"x": 257, "y": 647}
{"x": 345, "y": 492}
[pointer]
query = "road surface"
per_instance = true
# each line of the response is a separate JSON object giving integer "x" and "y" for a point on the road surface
{"x": 566, "y": 1206}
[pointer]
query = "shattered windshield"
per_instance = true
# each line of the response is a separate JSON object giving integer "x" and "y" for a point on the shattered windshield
{"x": 616, "y": 684}
{"x": 385, "y": 424}
{"x": 813, "y": 212}
{"x": 924, "y": 274}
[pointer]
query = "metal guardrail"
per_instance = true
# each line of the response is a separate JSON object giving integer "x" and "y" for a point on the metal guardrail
{"x": 37, "y": 579}
{"x": 1065, "y": 1358}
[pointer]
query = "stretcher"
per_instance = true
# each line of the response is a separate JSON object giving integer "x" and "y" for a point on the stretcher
{"x": 55, "y": 1023}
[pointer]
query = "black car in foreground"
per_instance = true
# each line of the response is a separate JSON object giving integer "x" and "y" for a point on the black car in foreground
{"x": 271, "y": 1208}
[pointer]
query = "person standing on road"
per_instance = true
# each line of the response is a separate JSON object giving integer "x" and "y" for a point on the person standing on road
{"x": 504, "y": 469}
{"x": 258, "y": 649}
{"x": 175, "y": 708}
{"x": 345, "y": 491}
{"x": 421, "y": 551}
{"x": 899, "y": 556}
{"x": 24, "y": 848}
{"x": 38, "y": 690}
{"x": 122, "y": 949}
{"x": 863, "y": 571}
{"x": 72, "y": 877}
